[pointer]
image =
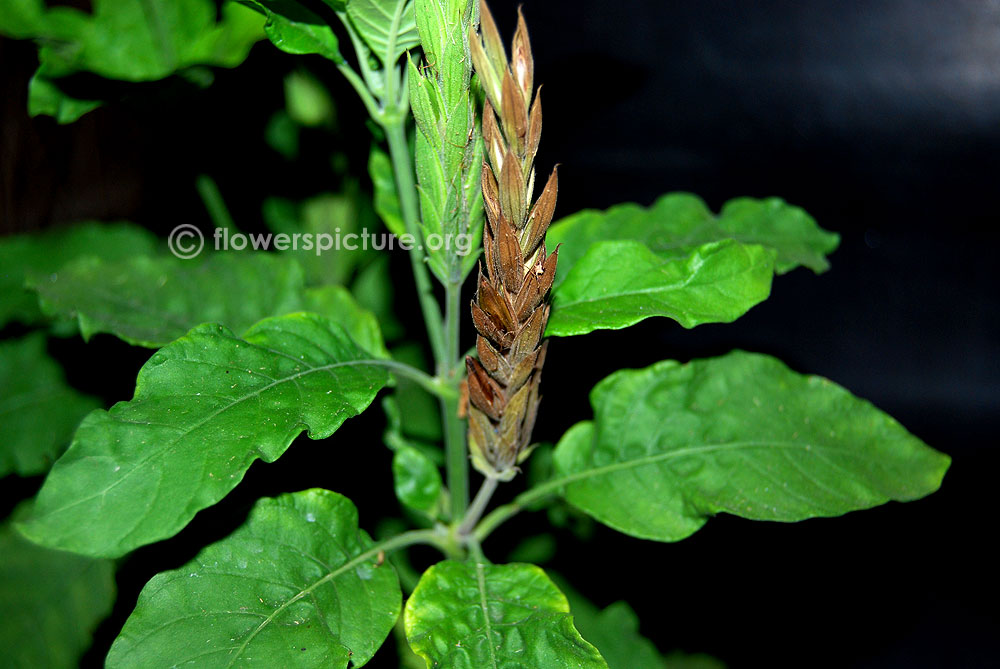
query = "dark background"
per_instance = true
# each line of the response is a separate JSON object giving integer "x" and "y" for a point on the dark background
{"x": 882, "y": 119}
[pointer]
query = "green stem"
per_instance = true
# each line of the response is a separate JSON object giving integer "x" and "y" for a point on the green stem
{"x": 431, "y": 384}
{"x": 475, "y": 511}
{"x": 399, "y": 151}
{"x": 214, "y": 204}
{"x": 500, "y": 514}
{"x": 456, "y": 459}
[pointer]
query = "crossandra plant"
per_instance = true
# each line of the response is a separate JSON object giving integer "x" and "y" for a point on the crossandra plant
{"x": 252, "y": 349}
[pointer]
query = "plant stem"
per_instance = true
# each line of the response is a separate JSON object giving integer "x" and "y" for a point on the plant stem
{"x": 475, "y": 511}
{"x": 399, "y": 151}
{"x": 499, "y": 515}
{"x": 454, "y": 427}
{"x": 214, "y": 204}
{"x": 431, "y": 384}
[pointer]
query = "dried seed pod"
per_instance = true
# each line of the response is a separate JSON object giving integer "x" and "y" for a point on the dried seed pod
{"x": 510, "y": 310}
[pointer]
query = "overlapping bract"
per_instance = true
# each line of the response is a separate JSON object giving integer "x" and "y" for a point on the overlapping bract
{"x": 510, "y": 310}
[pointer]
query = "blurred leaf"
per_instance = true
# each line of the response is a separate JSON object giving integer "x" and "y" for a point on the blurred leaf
{"x": 326, "y": 248}
{"x": 205, "y": 408}
{"x": 619, "y": 283}
{"x": 337, "y": 304}
{"x": 671, "y": 445}
{"x": 48, "y": 251}
{"x": 50, "y": 603}
{"x": 282, "y": 135}
{"x": 152, "y": 301}
{"x": 677, "y": 223}
{"x": 373, "y": 289}
{"x": 307, "y": 101}
{"x": 468, "y": 614}
{"x": 297, "y": 30}
{"x": 537, "y": 549}
{"x": 386, "y": 196}
{"x": 125, "y": 40}
{"x": 38, "y": 410}
{"x": 417, "y": 481}
{"x": 297, "y": 585}
{"x": 382, "y": 21}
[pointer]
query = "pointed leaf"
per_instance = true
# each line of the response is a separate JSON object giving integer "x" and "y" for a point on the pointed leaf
{"x": 380, "y": 22}
{"x": 205, "y": 408}
{"x": 679, "y": 222}
{"x": 473, "y": 615}
{"x": 50, "y": 250}
{"x": 673, "y": 444}
{"x": 152, "y": 301}
{"x": 619, "y": 283}
{"x": 38, "y": 410}
{"x": 50, "y": 603}
{"x": 298, "y": 585}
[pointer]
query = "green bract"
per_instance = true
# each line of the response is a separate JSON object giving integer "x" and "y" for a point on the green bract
{"x": 298, "y": 585}
{"x": 470, "y": 615}
{"x": 205, "y": 408}
{"x": 673, "y": 444}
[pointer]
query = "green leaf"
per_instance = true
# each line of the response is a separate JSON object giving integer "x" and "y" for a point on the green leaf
{"x": 205, "y": 408}
{"x": 473, "y": 615}
{"x": 152, "y": 301}
{"x": 48, "y": 251}
{"x": 50, "y": 603}
{"x": 417, "y": 480}
{"x": 672, "y": 444}
{"x": 297, "y": 30}
{"x": 297, "y": 585}
{"x": 677, "y": 223}
{"x": 380, "y": 22}
{"x": 337, "y": 304}
{"x": 45, "y": 98}
{"x": 327, "y": 251}
{"x": 386, "y": 197}
{"x": 619, "y": 283}
{"x": 38, "y": 410}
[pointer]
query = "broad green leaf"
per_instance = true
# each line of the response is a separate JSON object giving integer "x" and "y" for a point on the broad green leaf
{"x": 126, "y": 40}
{"x": 470, "y": 615}
{"x": 677, "y": 223}
{"x": 298, "y": 585}
{"x": 386, "y": 197}
{"x": 671, "y": 445}
{"x": 417, "y": 480}
{"x": 337, "y": 304}
{"x": 50, "y": 250}
{"x": 373, "y": 289}
{"x": 619, "y": 283}
{"x": 50, "y": 603}
{"x": 152, "y": 301}
{"x": 297, "y": 30}
{"x": 205, "y": 407}
{"x": 381, "y": 22}
{"x": 614, "y": 630}
{"x": 38, "y": 410}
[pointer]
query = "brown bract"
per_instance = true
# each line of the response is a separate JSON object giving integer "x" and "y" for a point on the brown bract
{"x": 510, "y": 310}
